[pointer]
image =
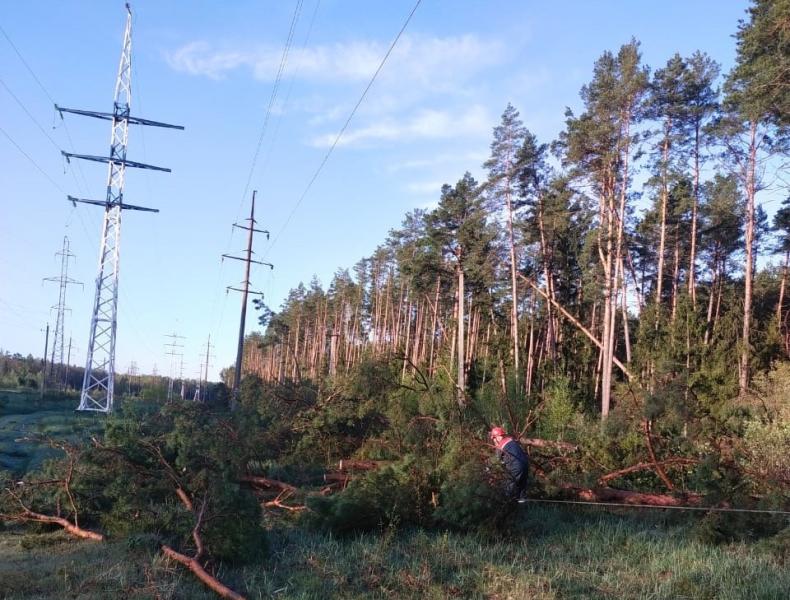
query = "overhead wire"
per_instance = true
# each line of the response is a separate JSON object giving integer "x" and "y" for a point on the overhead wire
{"x": 216, "y": 323}
{"x": 47, "y": 94}
{"x": 28, "y": 113}
{"x": 329, "y": 152}
{"x": 722, "y": 509}
{"x": 32, "y": 161}
{"x": 80, "y": 186}
{"x": 257, "y": 268}
{"x": 89, "y": 236}
{"x": 273, "y": 96}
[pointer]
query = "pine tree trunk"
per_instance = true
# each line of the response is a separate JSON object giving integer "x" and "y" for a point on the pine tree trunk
{"x": 692, "y": 274}
{"x": 513, "y": 288}
{"x": 743, "y": 372}
{"x": 461, "y": 385}
{"x": 608, "y": 292}
{"x": 664, "y": 201}
{"x": 782, "y": 287}
{"x": 547, "y": 274}
{"x": 624, "y": 310}
{"x": 433, "y": 326}
{"x": 531, "y": 347}
{"x": 675, "y": 275}
{"x": 780, "y": 313}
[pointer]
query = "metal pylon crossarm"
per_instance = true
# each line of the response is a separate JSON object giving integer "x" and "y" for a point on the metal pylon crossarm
{"x": 99, "y": 380}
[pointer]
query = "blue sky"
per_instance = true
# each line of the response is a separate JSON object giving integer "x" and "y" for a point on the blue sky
{"x": 211, "y": 66}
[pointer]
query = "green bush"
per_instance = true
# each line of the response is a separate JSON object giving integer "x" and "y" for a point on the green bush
{"x": 391, "y": 496}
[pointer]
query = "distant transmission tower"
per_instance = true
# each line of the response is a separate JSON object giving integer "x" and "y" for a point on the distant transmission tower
{"x": 173, "y": 352}
{"x": 203, "y": 374}
{"x": 245, "y": 290}
{"x": 181, "y": 377}
{"x": 98, "y": 384}
{"x": 56, "y": 363}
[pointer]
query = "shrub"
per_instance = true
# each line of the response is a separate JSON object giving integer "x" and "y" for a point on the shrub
{"x": 392, "y": 496}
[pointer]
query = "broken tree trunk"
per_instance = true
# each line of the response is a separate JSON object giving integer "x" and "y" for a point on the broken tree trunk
{"x": 604, "y": 479}
{"x": 606, "y": 494}
{"x": 539, "y": 443}
{"x": 32, "y": 516}
{"x": 193, "y": 565}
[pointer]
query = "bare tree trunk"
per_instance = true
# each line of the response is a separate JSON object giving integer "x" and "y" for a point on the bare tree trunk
{"x": 692, "y": 274}
{"x": 547, "y": 274}
{"x": 624, "y": 310}
{"x": 664, "y": 201}
{"x": 531, "y": 347}
{"x": 460, "y": 318}
{"x": 607, "y": 350}
{"x": 743, "y": 371}
{"x": 514, "y": 288}
{"x": 675, "y": 275}
{"x": 433, "y": 325}
{"x": 782, "y": 287}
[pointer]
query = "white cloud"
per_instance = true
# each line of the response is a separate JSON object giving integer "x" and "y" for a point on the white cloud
{"x": 425, "y": 187}
{"x": 425, "y": 124}
{"x": 422, "y": 60}
{"x": 464, "y": 158}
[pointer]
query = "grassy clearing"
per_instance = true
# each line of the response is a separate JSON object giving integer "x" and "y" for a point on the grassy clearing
{"x": 550, "y": 553}
{"x": 25, "y": 414}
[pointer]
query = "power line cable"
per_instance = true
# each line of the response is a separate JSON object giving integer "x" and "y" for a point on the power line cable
{"x": 722, "y": 509}
{"x": 272, "y": 97}
{"x": 27, "y": 112}
{"x": 345, "y": 126}
{"x": 35, "y": 164}
{"x": 290, "y": 88}
{"x": 40, "y": 127}
{"x": 256, "y": 267}
{"x": 48, "y": 95}
{"x": 215, "y": 324}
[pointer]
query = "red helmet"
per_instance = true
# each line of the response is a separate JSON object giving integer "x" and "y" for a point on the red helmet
{"x": 497, "y": 431}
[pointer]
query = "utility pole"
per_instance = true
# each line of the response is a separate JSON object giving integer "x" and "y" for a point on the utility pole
{"x": 205, "y": 365}
{"x": 44, "y": 362}
{"x": 196, "y": 397}
{"x": 183, "y": 383}
{"x": 98, "y": 385}
{"x": 68, "y": 368}
{"x": 245, "y": 290}
{"x": 172, "y": 352}
{"x": 58, "y": 338}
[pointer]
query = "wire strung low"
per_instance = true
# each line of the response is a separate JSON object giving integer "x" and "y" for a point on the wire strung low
{"x": 693, "y": 508}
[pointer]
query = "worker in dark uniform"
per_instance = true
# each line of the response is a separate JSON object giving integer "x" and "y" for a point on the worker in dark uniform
{"x": 515, "y": 461}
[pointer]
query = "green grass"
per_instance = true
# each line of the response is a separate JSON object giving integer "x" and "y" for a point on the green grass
{"x": 550, "y": 553}
{"x": 26, "y": 415}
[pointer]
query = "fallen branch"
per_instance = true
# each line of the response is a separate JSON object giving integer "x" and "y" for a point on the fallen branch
{"x": 578, "y": 325}
{"x": 278, "y": 502}
{"x": 604, "y": 479}
{"x": 606, "y": 494}
{"x": 649, "y": 442}
{"x": 185, "y": 499}
{"x": 268, "y": 483}
{"x": 351, "y": 464}
{"x": 193, "y": 565}
{"x": 29, "y": 515}
{"x": 539, "y": 443}
{"x": 336, "y": 478}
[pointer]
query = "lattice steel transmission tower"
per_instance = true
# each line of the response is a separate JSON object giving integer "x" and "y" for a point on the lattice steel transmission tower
{"x": 58, "y": 339}
{"x": 98, "y": 384}
{"x": 174, "y": 350}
